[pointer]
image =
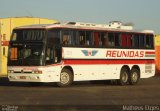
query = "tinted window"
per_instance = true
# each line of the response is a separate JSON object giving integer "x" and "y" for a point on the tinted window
{"x": 126, "y": 40}
{"x": 117, "y": 39}
{"x": 85, "y": 38}
{"x": 135, "y": 39}
{"x": 53, "y": 37}
{"x": 99, "y": 39}
{"x": 149, "y": 41}
{"x": 28, "y": 35}
{"x": 28, "y": 54}
{"x": 110, "y": 39}
{"x": 141, "y": 43}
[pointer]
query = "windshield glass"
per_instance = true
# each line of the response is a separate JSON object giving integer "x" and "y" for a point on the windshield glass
{"x": 26, "y": 54}
{"x": 34, "y": 47}
{"x": 28, "y": 35}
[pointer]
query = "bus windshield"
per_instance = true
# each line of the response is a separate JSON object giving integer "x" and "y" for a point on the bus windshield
{"x": 34, "y": 47}
{"x": 26, "y": 54}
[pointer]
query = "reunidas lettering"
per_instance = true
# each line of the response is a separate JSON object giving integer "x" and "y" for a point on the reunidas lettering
{"x": 115, "y": 53}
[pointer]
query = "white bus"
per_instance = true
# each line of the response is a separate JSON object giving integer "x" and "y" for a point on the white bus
{"x": 64, "y": 53}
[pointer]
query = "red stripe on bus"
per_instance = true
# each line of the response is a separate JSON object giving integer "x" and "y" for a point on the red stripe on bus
{"x": 150, "y": 52}
{"x": 94, "y": 62}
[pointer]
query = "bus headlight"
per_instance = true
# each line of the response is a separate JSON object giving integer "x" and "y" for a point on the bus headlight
{"x": 37, "y": 72}
{"x": 10, "y": 71}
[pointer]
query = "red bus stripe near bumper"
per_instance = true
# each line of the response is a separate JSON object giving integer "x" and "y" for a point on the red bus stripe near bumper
{"x": 103, "y": 62}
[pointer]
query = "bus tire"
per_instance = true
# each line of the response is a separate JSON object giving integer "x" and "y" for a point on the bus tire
{"x": 134, "y": 76}
{"x": 66, "y": 78}
{"x": 124, "y": 76}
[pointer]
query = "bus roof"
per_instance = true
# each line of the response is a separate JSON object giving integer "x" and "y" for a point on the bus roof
{"x": 87, "y": 26}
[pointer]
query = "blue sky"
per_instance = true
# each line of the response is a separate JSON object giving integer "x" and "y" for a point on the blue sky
{"x": 143, "y": 13}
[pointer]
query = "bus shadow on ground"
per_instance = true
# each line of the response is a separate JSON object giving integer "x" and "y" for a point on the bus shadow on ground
{"x": 5, "y": 82}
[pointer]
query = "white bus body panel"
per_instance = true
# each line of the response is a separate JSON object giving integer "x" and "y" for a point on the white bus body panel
{"x": 89, "y": 64}
{"x": 49, "y": 74}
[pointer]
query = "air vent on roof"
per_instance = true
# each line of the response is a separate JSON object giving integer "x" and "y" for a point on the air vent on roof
{"x": 88, "y": 24}
{"x": 120, "y": 25}
{"x": 148, "y": 31}
{"x": 112, "y": 25}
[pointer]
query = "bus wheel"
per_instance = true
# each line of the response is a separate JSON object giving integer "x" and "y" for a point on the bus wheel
{"x": 66, "y": 78}
{"x": 134, "y": 76}
{"x": 123, "y": 77}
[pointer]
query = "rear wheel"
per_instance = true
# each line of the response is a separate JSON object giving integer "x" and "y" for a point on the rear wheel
{"x": 134, "y": 76}
{"x": 124, "y": 77}
{"x": 66, "y": 78}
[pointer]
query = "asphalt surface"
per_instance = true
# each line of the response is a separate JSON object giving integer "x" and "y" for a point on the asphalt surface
{"x": 88, "y": 96}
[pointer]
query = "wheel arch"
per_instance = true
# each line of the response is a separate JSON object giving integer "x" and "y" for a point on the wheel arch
{"x": 69, "y": 68}
{"x": 126, "y": 67}
{"x": 66, "y": 77}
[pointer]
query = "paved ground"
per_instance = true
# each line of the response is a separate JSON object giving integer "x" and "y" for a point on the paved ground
{"x": 82, "y": 94}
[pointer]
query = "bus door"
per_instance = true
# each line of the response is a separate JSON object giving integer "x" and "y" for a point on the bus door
{"x": 53, "y": 55}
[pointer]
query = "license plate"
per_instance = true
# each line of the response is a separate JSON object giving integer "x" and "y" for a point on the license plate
{"x": 22, "y": 77}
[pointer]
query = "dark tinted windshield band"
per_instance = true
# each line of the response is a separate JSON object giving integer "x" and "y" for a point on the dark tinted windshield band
{"x": 28, "y": 35}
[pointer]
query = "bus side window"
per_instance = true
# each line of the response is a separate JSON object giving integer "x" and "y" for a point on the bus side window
{"x": 102, "y": 39}
{"x": 53, "y": 37}
{"x": 82, "y": 37}
{"x": 110, "y": 40}
{"x": 96, "y": 39}
{"x": 89, "y": 40}
{"x": 74, "y": 38}
{"x": 129, "y": 40}
{"x": 126, "y": 40}
{"x": 117, "y": 39}
{"x": 151, "y": 41}
{"x": 65, "y": 39}
{"x": 99, "y": 39}
{"x": 85, "y": 38}
{"x": 148, "y": 41}
{"x": 53, "y": 55}
{"x": 135, "y": 39}
{"x": 141, "y": 41}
